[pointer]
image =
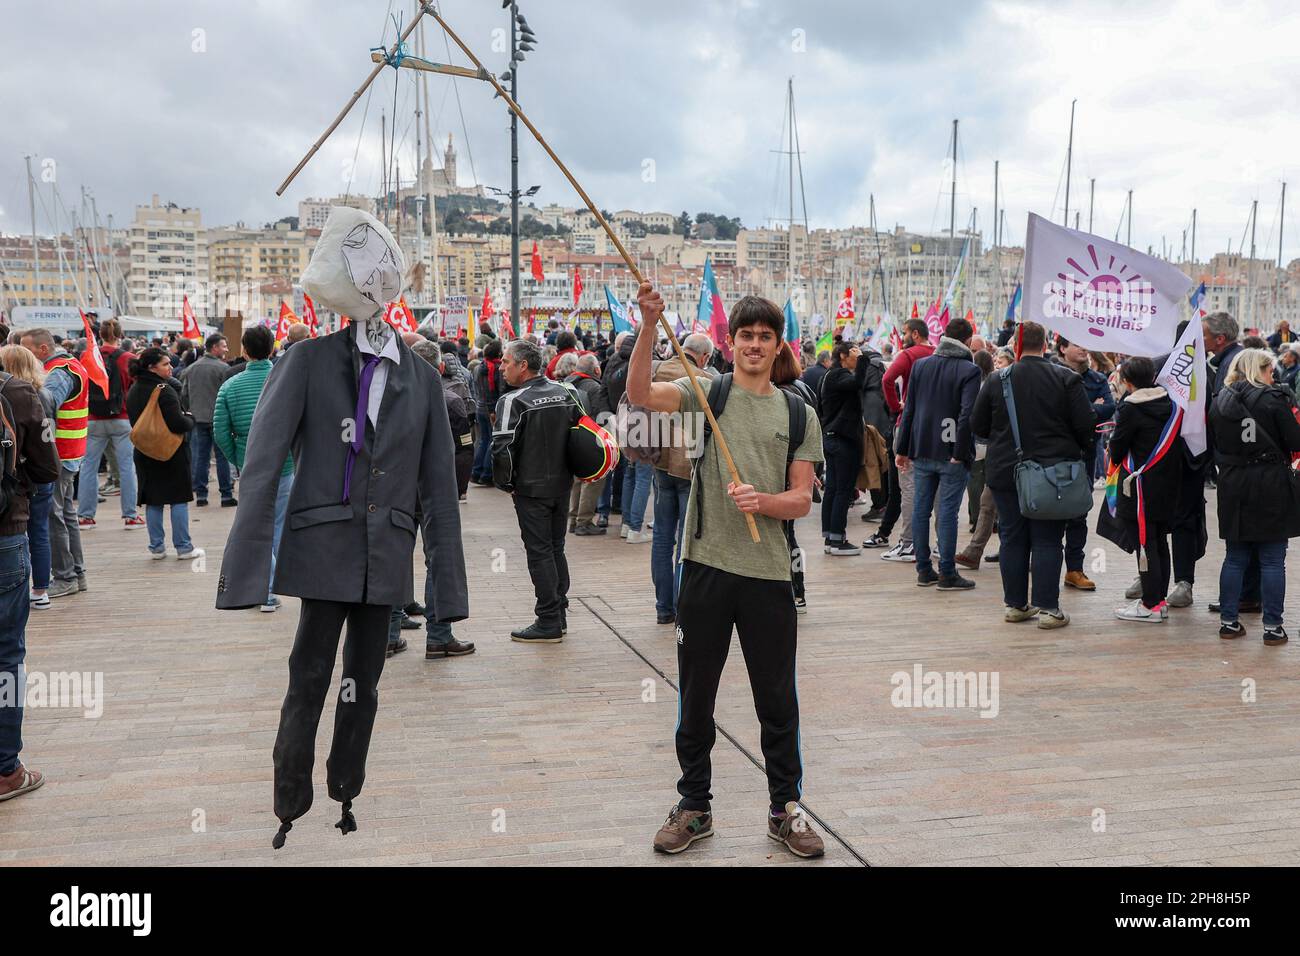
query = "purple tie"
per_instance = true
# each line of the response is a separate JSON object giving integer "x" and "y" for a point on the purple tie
{"x": 359, "y": 427}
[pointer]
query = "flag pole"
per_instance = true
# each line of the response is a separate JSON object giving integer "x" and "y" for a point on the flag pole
{"x": 426, "y": 7}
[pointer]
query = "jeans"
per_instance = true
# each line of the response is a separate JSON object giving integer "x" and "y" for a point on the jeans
{"x": 153, "y": 516}
{"x": 1028, "y": 545}
{"x": 671, "y": 495}
{"x": 482, "y": 470}
{"x": 1076, "y": 539}
{"x": 435, "y": 634}
{"x": 38, "y": 534}
{"x": 843, "y": 460}
{"x": 281, "y": 506}
{"x": 607, "y": 496}
{"x": 1272, "y": 579}
{"x": 636, "y": 493}
{"x": 946, "y": 481}
{"x": 15, "y": 606}
{"x": 202, "y": 447}
{"x": 99, "y": 435}
{"x": 67, "y": 561}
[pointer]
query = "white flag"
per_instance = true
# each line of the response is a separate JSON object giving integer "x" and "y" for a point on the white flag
{"x": 1185, "y": 378}
{"x": 1099, "y": 294}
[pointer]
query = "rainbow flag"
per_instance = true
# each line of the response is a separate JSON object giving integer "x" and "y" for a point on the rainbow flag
{"x": 1112, "y": 486}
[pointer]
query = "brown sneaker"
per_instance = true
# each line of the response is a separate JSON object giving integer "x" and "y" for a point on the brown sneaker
{"x": 967, "y": 561}
{"x": 19, "y": 782}
{"x": 793, "y": 829}
{"x": 682, "y": 828}
{"x": 1079, "y": 580}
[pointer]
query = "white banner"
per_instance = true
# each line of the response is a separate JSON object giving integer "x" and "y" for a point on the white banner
{"x": 456, "y": 313}
{"x": 1099, "y": 294}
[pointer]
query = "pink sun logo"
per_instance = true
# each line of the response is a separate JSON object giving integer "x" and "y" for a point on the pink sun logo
{"x": 1106, "y": 283}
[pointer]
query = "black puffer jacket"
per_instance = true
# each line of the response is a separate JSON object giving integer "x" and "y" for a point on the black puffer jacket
{"x": 1259, "y": 498}
{"x": 1139, "y": 421}
{"x": 840, "y": 402}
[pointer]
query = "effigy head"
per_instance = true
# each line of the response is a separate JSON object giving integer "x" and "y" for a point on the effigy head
{"x": 357, "y": 266}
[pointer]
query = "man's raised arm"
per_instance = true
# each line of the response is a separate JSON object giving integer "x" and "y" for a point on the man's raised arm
{"x": 656, "y": 396}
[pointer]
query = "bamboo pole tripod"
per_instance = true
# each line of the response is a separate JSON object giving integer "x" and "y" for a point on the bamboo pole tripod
{"x": 482, "y": 73}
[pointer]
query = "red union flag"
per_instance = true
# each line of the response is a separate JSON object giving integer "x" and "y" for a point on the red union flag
{"x": 92, "y": 359}
{"x": 577, "y": 286}
{"x": 1100, "y": 294}
{"x": 309, "y": 310}
{"x": 486, "y": 312}
{"x": 538, "y": 274}
{"x": 287, "y": 318}
{"x": 189, "y": 325}
{"x": 845, "y": 311}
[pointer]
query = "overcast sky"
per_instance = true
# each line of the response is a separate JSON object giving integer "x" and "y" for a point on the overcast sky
{"x": 1183, "y": 102}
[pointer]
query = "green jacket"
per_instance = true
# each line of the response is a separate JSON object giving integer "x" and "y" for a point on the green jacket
{"x": 233, "y": 416}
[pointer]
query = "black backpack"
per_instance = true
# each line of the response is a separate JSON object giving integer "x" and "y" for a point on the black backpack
{"x": 8, "y": 449}
{"x": 719, "y": 389}
{"x": 110, "y": 406}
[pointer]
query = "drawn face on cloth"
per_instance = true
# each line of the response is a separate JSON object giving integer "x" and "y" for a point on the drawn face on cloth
{"x": 356, "y": 270}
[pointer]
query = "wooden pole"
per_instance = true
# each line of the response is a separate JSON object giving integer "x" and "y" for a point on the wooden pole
{"x": 636, "y": 273}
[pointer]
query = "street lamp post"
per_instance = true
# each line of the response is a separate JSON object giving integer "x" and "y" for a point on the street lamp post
{"x": 522, "y": 40}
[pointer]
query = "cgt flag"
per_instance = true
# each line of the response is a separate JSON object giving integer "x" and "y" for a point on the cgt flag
{"x": 1100, "y": 294}
{"x": 577, "y": 286}
{"x": 1185, "y": 378}
{"x": 309, "y": 313}
{"x": 287, "y": 318}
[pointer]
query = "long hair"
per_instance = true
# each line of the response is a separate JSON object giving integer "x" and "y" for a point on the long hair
{"x": 1248, "y": 365}
{"x": 21, "y": 363}
{"x": 785, "y": 369}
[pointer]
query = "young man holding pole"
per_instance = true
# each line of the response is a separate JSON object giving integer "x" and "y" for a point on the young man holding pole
{"x": 730, "y": 581}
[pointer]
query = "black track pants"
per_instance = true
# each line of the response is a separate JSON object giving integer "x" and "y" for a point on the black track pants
{"x": 709, "y": 604}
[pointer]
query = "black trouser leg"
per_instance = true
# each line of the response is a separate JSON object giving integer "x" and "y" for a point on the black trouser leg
{"x": 767, "y": 627}
{"x": 311, "y": 664}
{"x": 542, "y": 525}
{"x": 895, "y": 506}
{"x": 1155, "y": 579}
{"x": 705, "y": 615}
{"x": 1188, "y": 523}
{"x": 796, "y": 559}
{"x": 364, "y": 650}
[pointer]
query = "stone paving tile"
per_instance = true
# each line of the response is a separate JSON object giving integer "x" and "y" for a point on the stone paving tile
{"x": 1147, "y": 724}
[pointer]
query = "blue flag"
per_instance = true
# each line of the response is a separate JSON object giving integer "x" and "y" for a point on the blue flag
{"x": 791, "y": 324}
{"x": 1013, "y": 304}
{"x": 617, "y": 313}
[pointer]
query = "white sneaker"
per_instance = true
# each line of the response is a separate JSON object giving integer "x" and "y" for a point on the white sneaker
{"x": 1181, "y": 595}
{"x": 1014, "y": 615}
{"x": 623, "y": 531}
{"x": 189, "y": 555}
{"x": 1134, "y": 590}
{"x": 40, "y": 602}
{"x": 158, "y": 555}
{"x": 1049, "y": 620}
{"x": 900, "y": 552}
{"x": 1137, "y": 611}
{"x": 639, "y": 537}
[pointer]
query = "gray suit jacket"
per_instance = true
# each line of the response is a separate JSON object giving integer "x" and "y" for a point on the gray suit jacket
{"x": 358, "y": 552}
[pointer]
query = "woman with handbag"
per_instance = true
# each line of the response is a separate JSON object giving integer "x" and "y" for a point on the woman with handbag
{"x": 1145, "y": 441}
{"x": 162, "y": 456}
{"x": 23, "y": 365}
{"x": 1255, "y": 434}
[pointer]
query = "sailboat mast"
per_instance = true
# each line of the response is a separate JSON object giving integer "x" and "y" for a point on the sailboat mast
{"x": 36, "y": 253}
{"x": 1250, "y": 263}
{"x": 1193, "y": 235}
{"x": 1277, "y": 279}
{"x": 952, "y": 208}
{"x": 789, "y": 232}
{"x": 1092, "y": 191}
{"x": 1128, "y": 241}
{"x": 1069, "y": 163}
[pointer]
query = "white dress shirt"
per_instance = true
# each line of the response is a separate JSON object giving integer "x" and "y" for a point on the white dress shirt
{"x": 380, "y": 379}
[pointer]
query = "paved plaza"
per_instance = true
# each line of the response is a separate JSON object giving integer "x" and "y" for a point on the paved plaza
{"x": 1111, "y": 744}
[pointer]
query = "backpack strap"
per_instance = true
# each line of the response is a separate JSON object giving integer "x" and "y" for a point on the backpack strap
{"x": 1010, "y": 399}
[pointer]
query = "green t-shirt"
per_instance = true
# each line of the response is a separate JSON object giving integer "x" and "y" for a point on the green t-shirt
{"x": 755, "y": 427}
